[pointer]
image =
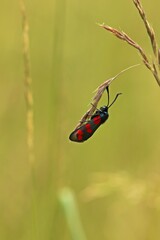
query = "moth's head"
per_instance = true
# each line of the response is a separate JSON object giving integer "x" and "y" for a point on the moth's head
{"x": 104, "y": 109}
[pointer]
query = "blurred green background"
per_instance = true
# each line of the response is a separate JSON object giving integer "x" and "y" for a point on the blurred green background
{"x": 112, "y": 179}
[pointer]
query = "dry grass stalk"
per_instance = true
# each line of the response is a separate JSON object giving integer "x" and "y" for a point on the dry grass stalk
{"x": 27, "y": 83}
{"x": 152, "y": 66}
{"x": 29, "y": 114}
{"x": 99, "y": 92}
{"x": 149, "y": 28}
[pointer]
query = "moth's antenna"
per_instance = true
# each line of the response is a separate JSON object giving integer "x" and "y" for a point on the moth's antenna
{"x": 114, "y": 99}
{"x": 107, "y": 89}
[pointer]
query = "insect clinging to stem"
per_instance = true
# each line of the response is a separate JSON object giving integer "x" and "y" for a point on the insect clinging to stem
{"x": 92, "y": 120}
{"x": 89, "y": 127}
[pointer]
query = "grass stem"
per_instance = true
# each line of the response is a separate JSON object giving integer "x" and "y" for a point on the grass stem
{"x": 29, "y": 113}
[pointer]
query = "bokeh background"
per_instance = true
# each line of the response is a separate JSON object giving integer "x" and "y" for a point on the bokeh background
{"x": 107, "y": 187}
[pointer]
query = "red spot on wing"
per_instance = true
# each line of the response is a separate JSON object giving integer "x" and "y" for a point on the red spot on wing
{"x": 97, "y": 120}
{"x": 88, "y": 128}
{"x": 80, "y": 134}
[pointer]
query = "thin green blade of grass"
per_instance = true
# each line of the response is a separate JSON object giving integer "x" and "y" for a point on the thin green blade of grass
{"x": 68, "y": 202}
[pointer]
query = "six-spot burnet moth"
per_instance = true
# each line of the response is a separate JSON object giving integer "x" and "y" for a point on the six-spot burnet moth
{"x": 89, "y": 127}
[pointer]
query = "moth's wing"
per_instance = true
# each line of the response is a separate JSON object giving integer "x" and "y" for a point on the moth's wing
{"x": 86, "y": 131}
